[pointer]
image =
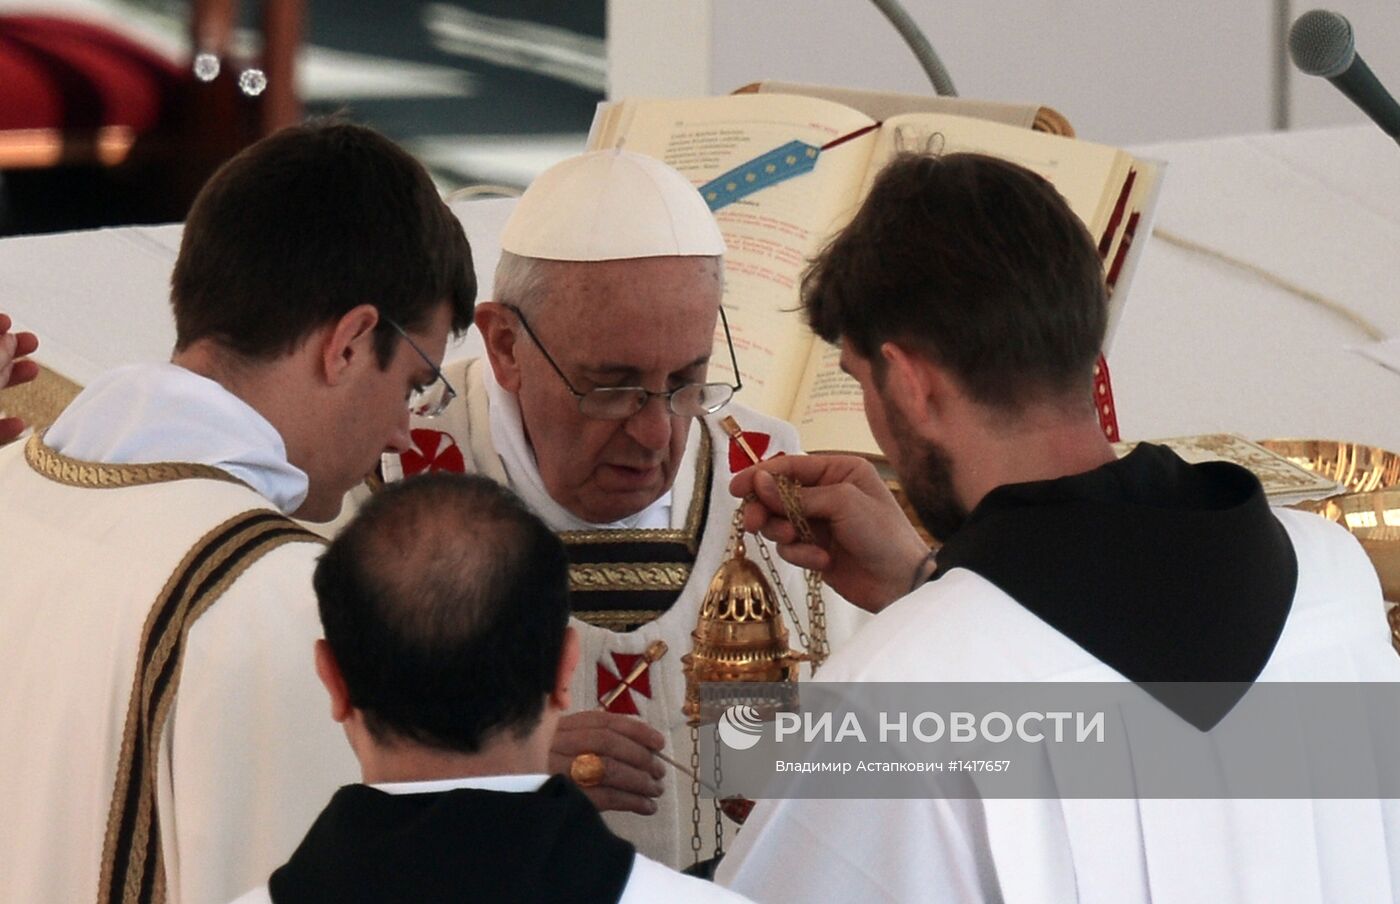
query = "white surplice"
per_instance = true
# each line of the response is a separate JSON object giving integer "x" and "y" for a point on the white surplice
{"x": 963, "y": 628}
{"x": 472, "y": 422}
{"x": 249, "y": 753}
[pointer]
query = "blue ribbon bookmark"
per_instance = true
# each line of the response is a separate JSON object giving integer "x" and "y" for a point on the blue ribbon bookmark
{"x": 778, "y": 165}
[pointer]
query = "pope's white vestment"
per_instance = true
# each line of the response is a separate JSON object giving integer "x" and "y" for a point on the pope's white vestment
{"x": 961, "y": 627}
{"x": 697, "y": 513}
{"x": 229, "y": 722}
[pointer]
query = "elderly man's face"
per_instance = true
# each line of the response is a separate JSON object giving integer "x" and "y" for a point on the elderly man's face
{"x": 645, "y": 322}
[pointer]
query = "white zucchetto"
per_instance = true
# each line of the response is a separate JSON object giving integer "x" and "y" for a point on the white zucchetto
{"x": 611, "y": 205}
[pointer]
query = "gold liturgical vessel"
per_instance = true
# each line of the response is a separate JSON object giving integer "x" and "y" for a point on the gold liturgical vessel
{"x": 740, "y": 635}
{"x": 1369, "y": 507}
{"x": 739, "y": 651}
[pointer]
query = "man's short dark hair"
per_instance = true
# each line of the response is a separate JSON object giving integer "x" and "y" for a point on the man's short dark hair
{"x": 307, "y": 224}
{"x": 445, "y": 603}
{"x": 976, "y": 263}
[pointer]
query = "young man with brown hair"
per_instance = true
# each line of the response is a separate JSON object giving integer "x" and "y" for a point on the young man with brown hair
{"x": 968, "y": 302}
{"x": 159, "y": 729}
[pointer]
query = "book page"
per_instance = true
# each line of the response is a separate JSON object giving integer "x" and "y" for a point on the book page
{"x": 1285, "y": 478}
{"x": 1087, "y": 175}
{"x": 886, "y": 104}
{"x": 829, "y": 411}
{"x": 1146, "y": 194}
{"x": 1144, "y": 176}
{"x": 771, "y": 233}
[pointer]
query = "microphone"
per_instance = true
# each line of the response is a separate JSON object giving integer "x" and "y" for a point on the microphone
{"x": 1321, "y": 43}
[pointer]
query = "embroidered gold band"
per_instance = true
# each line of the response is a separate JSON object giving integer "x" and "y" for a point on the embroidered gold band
{"x": 625, "y": 535}
{"x": 94, "y": 475}
{"x": 133, "y": 870}
{"x": 621, "y": 576}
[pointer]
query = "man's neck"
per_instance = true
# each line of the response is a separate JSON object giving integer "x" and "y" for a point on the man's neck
{"x": 405, "y": 761}
{"x": 274, "y": 389}
{"x": 1038, "y": 446}
{"x": 248, "y": 382}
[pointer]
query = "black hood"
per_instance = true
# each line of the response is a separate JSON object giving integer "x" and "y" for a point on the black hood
{"x": 1166, "y": 571}
{"x": 460, "y": 845}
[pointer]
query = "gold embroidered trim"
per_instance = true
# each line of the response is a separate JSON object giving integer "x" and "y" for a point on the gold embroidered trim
{"x": 618, "y": 619}
{"x": 40, "y": 401}
{"x": 615, "y": 576}
{"x": 688, "y": 535}
{"x": 163, "y": 639}
{"x": 95, "y": 475}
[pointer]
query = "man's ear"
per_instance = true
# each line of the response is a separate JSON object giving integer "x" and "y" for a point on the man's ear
{"x": 500, "y": 332}
{"x": 328, "y": 670}
{"x": 922, "y": 390}
{"x": 564, "y": 678}
{"x": 349, "y": 343}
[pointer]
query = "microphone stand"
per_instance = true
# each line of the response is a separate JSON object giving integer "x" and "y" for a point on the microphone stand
{"x": 923, "y": 51}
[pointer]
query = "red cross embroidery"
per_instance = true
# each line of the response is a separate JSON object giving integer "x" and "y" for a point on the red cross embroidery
{"x": 738, "y": 458}
{"x": 607, "y": 680}
{"x": 433, "y": 451}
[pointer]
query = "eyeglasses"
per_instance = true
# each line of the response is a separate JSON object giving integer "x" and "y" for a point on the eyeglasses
{"x": 433, "y": 399}
{"x": 615, "y": 403}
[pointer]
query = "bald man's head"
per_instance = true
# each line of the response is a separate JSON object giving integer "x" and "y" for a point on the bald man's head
{"x": 445, "y": 604}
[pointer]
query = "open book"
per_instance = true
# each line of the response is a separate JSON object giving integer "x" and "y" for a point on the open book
{"x": 772, "y": 230}
{"x": 1285, "y": 481}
